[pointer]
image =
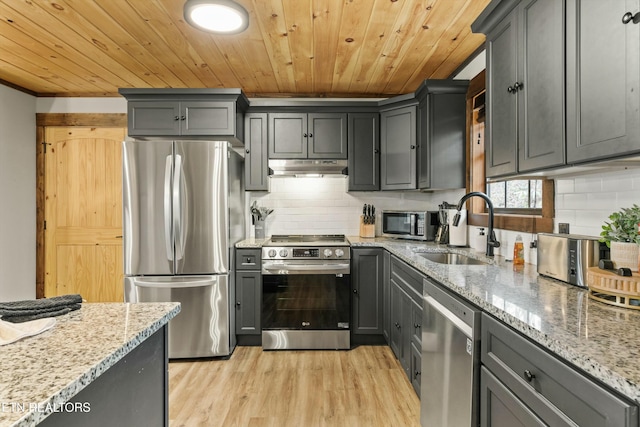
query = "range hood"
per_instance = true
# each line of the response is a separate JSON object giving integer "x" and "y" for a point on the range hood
{"x": 308, "y": 168}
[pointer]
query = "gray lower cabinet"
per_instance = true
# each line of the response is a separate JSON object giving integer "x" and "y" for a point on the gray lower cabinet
{"x": 524, "y": 382}
{"x": 398, "y": 148}
{"x": 525, "y": 87}
{"x": 603, "y": 79}
{"x": 367, "y": 278}
{"x": 364, "y": 151}
{"x": 256, "y": 170}
{"x": 248, "y": 278}
{"x": 405, "y": 312}
{"x": 133, "y": 392}
{"x": 312, "y": 135}
{"x": 500, "y": 407}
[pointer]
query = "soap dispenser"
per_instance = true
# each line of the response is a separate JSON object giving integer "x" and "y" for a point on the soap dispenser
{"x": 518, "y": 251}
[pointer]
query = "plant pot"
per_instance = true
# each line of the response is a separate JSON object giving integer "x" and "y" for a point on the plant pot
{"x": 625, "y": 254}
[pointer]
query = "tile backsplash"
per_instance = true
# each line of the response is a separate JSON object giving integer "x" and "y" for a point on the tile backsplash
{"x": 324, "y": 206}
{"x": 585, "y": 202}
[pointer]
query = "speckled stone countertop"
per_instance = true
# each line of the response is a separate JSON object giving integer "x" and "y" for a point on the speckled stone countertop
{"x": 601, "y": 340}
{"x": 46, "y": 370}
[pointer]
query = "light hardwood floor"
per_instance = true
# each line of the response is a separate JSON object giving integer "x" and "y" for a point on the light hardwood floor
{"x": 365, "y": 386}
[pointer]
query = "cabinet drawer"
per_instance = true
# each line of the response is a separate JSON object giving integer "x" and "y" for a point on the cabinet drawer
{"x": 408, "y": 278}
{"x": 248, "y": 259}
{"x": 549, "y": 386}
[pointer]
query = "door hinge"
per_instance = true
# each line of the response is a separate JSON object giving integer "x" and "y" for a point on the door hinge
{"x": 44, "y": 146}
{"x": 45, "y": 225}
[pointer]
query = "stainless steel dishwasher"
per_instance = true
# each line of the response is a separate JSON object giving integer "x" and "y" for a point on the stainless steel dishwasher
{"x": 450, "y": 359}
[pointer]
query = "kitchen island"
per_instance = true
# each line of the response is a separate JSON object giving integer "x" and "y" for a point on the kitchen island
{"x": 599, "y": 339}
{"x": 103, "y": 362}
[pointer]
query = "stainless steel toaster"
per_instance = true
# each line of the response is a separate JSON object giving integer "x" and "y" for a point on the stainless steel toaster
{"x": 566, "y": 257}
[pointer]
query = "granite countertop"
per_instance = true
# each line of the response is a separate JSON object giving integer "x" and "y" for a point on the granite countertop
{"x": 601, "y": 340}
{"x": 46, "y": 370}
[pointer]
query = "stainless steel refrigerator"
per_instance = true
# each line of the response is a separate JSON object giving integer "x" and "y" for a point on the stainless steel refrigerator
{"x": 183, "y": 211}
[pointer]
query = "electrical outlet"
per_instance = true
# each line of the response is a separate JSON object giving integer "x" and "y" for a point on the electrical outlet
{"x": 563, "y": 228}
{"x": 533, "y": 244}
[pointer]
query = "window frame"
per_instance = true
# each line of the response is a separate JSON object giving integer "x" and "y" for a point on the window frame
{"x": 476, "y": 179}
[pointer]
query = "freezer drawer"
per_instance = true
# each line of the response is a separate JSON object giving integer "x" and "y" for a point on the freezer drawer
{"x": 202, "y": 327}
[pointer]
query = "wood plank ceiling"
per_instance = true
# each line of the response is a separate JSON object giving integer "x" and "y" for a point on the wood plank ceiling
{"x": 323, "y": 48}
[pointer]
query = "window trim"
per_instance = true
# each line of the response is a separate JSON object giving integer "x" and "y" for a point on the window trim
{"x": 476, "y": 181}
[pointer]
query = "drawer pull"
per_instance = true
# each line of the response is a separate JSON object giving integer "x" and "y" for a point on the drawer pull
{"x": 528, "y": 375}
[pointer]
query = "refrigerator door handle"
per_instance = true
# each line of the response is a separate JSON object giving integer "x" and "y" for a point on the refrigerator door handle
{"x": 167, "y": 208}
{"x": 177, "y": 207}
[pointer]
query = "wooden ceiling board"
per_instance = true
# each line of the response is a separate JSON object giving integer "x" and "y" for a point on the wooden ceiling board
{"x": 321, "y": 48}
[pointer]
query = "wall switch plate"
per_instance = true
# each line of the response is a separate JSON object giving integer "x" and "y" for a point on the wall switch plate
{"x": 563, "y": 228}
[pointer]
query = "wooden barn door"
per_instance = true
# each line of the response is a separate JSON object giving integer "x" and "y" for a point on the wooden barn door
{"x": 83, "y": 213}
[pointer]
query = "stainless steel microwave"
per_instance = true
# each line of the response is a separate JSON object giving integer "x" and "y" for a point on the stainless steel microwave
{"x": 416, "y": 225}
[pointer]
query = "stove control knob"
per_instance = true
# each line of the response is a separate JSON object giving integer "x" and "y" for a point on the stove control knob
{"x": 272, "y": 253}
{"x": 328, "y": 253}
{"x": 284, "y": 253}
{"x": 339, "y": 252}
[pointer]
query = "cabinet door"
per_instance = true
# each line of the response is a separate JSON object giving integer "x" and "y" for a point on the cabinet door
{"x": 149, "y": 118}
{"x": 287, "y": 136}
{"x": 501, "y": 128}
{"x": 386, "y": 298}
{"x": 364, "y": 151}
{"x": 541, "y": 132}
{"x": 603, "y": 80}
{"x": 395, "y": 335}
{"x": 367, "y": 282}
{"x": 415, "y": 324}
{"x": 398, "y": 142}
{"x": 248, "y": 295}
{"x": 256, "y": 158}
{"x": 207, "y": 118}
{"x": 327, "y": 137}
{"x": 416, "y": 366}
{"x": 441, "y": 141}
{"x": 499, "y": 407}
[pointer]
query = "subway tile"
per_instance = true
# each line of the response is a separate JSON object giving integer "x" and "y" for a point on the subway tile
{"x": 565, "y": 186}
{"x": 589, "y": 184}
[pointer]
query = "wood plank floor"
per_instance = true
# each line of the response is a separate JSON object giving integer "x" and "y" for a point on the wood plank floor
{"x": 365, "y": 386}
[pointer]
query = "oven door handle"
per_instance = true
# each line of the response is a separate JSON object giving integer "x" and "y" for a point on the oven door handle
{"x": 276, "y": 268}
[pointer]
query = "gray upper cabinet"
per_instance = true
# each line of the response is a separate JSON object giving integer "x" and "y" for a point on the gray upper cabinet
{"x": 398, "y": 148}
{"x": 442, "y": 134}
{"x": 255, "y": 162}
{"x": 603, "y": 79}
{"x": 525, "y": 125}
{"x": 364, "y": 151}
{"x": 302, "y": 136}
{"x": 216, "y": 114}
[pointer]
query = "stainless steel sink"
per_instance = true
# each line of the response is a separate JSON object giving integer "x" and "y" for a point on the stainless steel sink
{"x": 451, "y": 258}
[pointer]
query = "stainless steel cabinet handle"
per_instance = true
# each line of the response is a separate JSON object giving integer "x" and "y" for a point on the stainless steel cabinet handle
{"x": 528, "y": 375}
{"x": 417, "y": 326}
{"x": 628, "y": 17}
{"x": 176, "y": 118}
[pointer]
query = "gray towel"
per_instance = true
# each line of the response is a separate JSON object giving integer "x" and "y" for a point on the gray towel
{"x": 23, "y": 311}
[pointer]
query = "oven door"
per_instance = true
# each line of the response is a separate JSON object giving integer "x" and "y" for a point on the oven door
{"x": 305, "y": 305}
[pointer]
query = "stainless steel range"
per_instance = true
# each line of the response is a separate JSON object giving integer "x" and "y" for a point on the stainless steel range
{"x": 306, "y": 292}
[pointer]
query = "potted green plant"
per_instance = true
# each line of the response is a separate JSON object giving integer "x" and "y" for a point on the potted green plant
{"x": 620, "y": 234}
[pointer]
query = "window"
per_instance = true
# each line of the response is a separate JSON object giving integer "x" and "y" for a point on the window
{"x": 522, "y": 196}
{"x": 525, "y": 205}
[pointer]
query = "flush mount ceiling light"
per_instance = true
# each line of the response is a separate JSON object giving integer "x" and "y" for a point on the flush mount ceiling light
{"x": 216, "y": 16}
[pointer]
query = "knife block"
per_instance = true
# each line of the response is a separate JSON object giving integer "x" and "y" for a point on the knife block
{"x": 367, "y": 230}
